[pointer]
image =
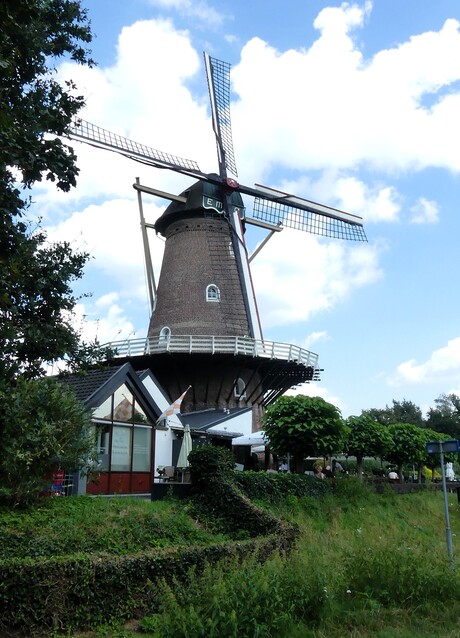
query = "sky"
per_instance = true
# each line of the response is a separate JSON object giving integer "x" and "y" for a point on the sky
{"x": 355, "y": 105}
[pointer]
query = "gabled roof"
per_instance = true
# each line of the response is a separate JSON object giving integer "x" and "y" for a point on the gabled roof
{"x": 85, "y": 384}
{"x": 93, "y": 387}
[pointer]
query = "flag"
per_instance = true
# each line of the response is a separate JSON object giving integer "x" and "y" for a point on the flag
{"x": 124, "y": 410}
{"x": 174, "y": 408}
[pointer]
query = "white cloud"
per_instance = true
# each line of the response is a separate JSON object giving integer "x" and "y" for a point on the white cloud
{"x": 102, "y": 321}
{"x": 443, "y": 363}
{"x": 192, "y": 8}
{"x": 297, "y": 275}
{"x": 347, "y": 111}
{"x": 315, "y": 390}
{"x": 374, "y": 204}
{"x": 314, "y": 337}
{"x": 425, "y": 212}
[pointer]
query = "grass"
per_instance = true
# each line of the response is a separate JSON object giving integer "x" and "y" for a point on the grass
{"x": 366, "y": 565}
{"x": 65, "y": 526}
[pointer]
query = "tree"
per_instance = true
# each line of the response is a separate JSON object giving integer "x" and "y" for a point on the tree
{"x": 400, "y": 412}
{"x": 406, "y": 412}
{"x": 44, "y": 427}
{"x": 303, "y": 426}
{"x": 445, "y": 417}
{"x": 37, "y": 421}
{"x": 432, "y": 461}
{"x": 35, "y": 109}
{"x": 366, "y": 437}
{"x": 408, "y": 445}
{"x": 36, "y": 302}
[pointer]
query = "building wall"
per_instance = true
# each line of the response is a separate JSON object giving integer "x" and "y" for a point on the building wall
{"x": 199, "y": 252}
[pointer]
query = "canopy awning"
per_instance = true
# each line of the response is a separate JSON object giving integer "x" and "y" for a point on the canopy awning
{"x": 256, "y": 438}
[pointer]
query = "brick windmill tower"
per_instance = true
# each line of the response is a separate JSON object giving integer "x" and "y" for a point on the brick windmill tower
{"x": 205, "y": 330}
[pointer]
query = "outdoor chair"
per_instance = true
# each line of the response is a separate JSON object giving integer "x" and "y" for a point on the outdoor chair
{"x": 170, "y": 473}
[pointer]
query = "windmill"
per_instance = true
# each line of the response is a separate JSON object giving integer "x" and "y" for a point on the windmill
{"x": 204, "y": 329}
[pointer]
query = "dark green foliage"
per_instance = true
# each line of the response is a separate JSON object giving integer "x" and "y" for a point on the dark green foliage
{"x": 36, "y": 300}
{"x": 445, "y": 417}
{"x": 408, "y": 445}
{"x": 35, "y": 111}
{"x": 209, "y": 463}
{"x": 366, "y": 437}
{"x": 36, "y": 33}
{"x": 218, "y": 498}
{"x": 400, "y": 412}
{"x": 303, "y": 426}
{"x": 275, "y": 487}
{"x": 253, "y": 600}
{"x": 84, "y": 590}
{"x": 43, "y": 426}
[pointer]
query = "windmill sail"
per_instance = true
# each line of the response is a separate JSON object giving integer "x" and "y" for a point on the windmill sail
{"x": 218, "y": 74}
{"x": 301, "y": 214}
{"x": 98, "y": 136}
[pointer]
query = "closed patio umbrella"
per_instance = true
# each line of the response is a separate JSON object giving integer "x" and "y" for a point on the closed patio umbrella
{"x": 186, "y": 448}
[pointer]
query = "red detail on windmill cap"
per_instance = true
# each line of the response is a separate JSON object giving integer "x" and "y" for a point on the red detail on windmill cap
{"x": 231, "y": 183}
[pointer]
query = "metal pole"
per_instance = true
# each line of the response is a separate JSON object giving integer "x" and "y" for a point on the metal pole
{"x": 446, "y": 509}
{"x": 148, "y": 260}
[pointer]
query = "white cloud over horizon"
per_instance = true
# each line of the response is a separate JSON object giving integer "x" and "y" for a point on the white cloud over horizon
{"x": 443, "y": 363}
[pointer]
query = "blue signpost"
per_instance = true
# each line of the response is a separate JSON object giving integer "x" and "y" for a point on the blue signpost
{"x": 439, "y": 447}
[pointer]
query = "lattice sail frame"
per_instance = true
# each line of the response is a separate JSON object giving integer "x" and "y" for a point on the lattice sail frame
{"x": 96, "y": 135}
{"x": 218, "y": 75}
{"x": 318, "y": 224}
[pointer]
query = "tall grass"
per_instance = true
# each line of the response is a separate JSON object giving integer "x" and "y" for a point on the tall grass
{"x": 366, "y": 565}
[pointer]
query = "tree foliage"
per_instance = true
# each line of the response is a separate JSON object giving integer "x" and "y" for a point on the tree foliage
{"x": 445, "y": 416}
{"x": 366, "y": 437}
{"x": 408, "y": 445}
{"x": 44, "y": 426}
{"x": 36, "y": 301}
{"x": 37, "y": 421}
{"x": 35, "y": 108}
{"x": 400, "y": 412}
{"x": 303, "y": 426}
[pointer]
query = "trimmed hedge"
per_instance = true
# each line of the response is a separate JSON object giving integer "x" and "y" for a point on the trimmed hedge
{"x": 86, "y": 591}
{"x": 273, "y": 487}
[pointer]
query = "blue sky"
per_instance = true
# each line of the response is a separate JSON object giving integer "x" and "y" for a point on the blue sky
{"x": 355, "y": 105}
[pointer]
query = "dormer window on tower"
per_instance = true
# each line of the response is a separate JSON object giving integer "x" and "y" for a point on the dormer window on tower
{"x": 240, "y": 388}
{"x": 165, "y": 335}
{"x": 212, "y": 293}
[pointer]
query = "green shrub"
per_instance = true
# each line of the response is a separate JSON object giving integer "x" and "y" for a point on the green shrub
{"x": 209, "y": 463}
{"x": 274, "y": 487}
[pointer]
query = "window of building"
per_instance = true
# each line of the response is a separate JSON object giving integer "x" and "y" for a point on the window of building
{"x": 240, "y": 389}
{"x": 124, "y": 441}
{"x": 165, "y": 335}
{"x": 212, "y": 293}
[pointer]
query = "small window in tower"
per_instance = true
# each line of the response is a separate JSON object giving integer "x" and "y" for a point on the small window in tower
{"x": 165, "y": 335}
{"x": 212, "y": 293}
{"x": 240, "y": 388}
{"x": 230, "y": 249}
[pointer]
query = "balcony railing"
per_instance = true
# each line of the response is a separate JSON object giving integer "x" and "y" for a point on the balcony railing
{"x": 213, "y": 345}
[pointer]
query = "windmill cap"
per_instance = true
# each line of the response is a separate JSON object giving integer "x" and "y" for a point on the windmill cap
{"x": 201, "y": 196}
